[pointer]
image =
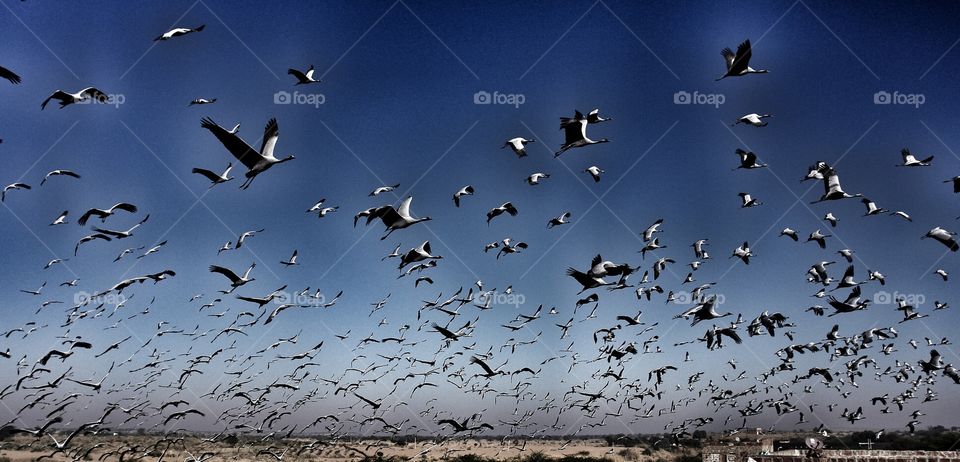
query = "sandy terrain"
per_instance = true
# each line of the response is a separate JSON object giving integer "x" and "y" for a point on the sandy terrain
{"x": 26, "y": 448}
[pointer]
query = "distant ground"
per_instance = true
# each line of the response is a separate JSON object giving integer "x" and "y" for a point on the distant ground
{"x": 267, "y": 448}
{"x": 24, "y": 448}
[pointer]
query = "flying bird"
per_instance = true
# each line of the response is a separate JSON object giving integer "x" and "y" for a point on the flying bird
{"x": 418, "y": 254}
{"x": 121, "y": 234}
{"x": 831, "y": 185}
{"x": 743, "y": 253}
{"x": 60, "y": 172}
{"x": 292, "y": 261}
{"x": 82, "y": 96}
{"x": 534, "y": 178}
{"x": 215, "y": 178}
{"x": 12, "y": 187}
{"x": 235, "y": 280}
{"x": 753, "y": 119}
{"x": 9, "y": 75}
{"x": 61, "y": 219}
{"x": 460, "y": 427}
{"x": 956, "y": 183}
{"x": 393, "y": 218}
{"x": 819, "y": 238}
{"x": 738, "y": 64}
{"x": 383, "y": 189}
{"x": 575, "y": 134}
{"x": 202, "y": 101}
{"x": 464, "y": 191}
{"x": 789, "y": 233}
{"x": 561, "y": 220}
{"x": 246, "y": 235}
{"x": 303, "y": 78}
{"x": 593, "y": 117}
{"x": 944, "y": 237}
{"x": 104, "y": 213}
{"x": 748, "y": 160}
{"x": 909, "y": 160}
{"x": 746, "y": 200}
{"x": 518, "y": 145}
{"x": 506, "y": 207}
{"x": 594, "y": 172}
{"x": 89, "y": 238}
{"x": 177, "y": 32}
{"x": 256, "y": 162}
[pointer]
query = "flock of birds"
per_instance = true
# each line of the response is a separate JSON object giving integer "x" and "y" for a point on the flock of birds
{"x": 615, "y": 376}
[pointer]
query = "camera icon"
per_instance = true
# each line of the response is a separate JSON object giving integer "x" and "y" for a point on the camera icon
{"x": 681, "y": 97}
{"x": 281, "y": 97}
{"x": 482, "y": 97}
{"x": 81, "y": 298}
{"x": 881, "y": 97}
{"x": 882, "y": 298}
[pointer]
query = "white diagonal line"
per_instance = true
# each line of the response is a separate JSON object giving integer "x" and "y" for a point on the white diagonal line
{"x": 939, "y": 139}
{"x": 825, "y": 26}
{"x": 357, "y": 42}
{"x": 229, "y": 29}
{"x": 557, "y": 42}
{"x": 55, "y": 143}
{"x": 634, "y": 34}
{"x": 474, "y": 74}
{"x": 764, "y": 34}
{"x": 944, "y": 55}
{"x": 40, "y": 40}
{"x": 934, "y": 265}
{"x": 442, "y": 156}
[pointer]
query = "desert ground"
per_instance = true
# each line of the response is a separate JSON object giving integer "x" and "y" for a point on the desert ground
{"x": 22, "y": 448}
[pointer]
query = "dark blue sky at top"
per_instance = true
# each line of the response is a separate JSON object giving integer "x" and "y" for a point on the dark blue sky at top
{"x": 399, "y": 81}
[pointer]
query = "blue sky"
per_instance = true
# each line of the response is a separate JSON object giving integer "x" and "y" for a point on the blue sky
{"x": 398, "y": 86}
